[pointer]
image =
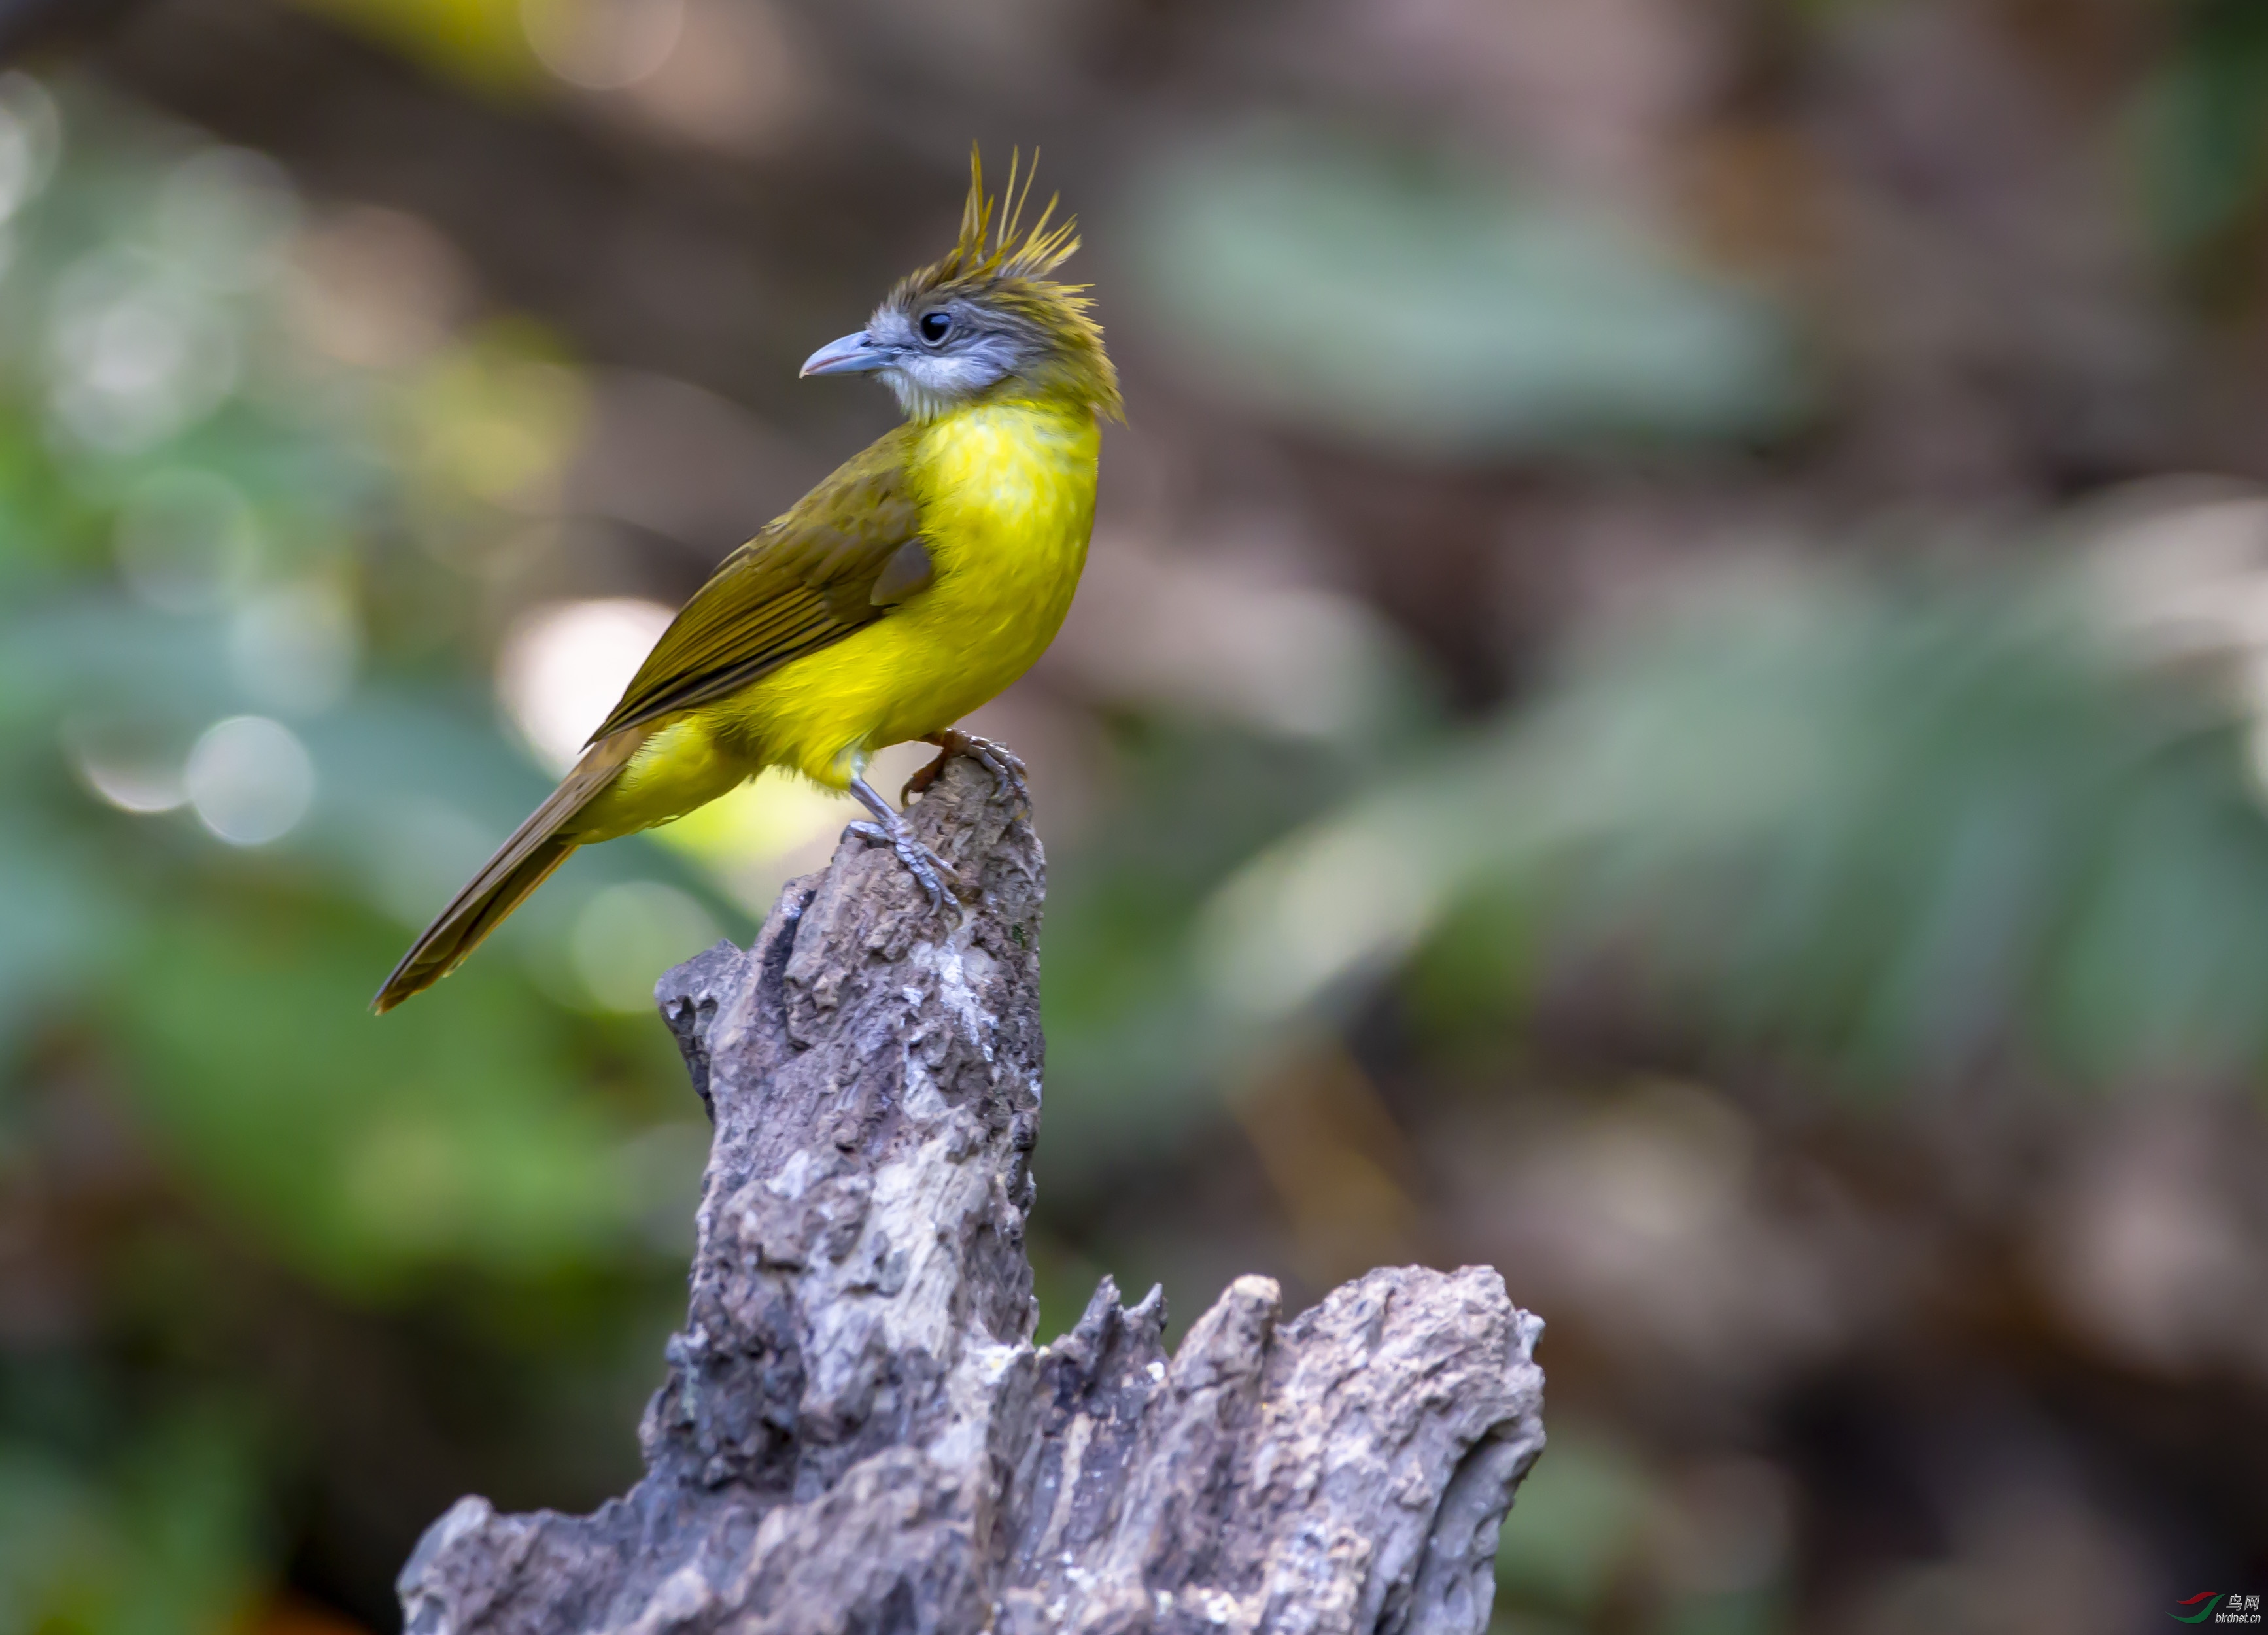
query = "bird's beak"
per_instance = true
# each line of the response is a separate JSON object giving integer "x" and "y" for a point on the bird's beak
{"x": 853, "y": 354}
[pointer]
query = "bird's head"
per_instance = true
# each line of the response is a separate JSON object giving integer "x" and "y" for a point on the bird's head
{"x": 986, "y": 322}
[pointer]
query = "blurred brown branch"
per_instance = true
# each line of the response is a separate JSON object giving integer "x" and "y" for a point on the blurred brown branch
{"x": 856, "y": 1432}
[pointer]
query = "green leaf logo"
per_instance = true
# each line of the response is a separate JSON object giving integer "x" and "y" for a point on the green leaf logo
{"x": 2211, "y": 1598}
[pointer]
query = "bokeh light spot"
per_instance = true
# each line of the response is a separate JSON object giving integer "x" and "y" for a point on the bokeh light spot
{"x": 603, "y": 45}
{"x": 250, "y": 779}
{"x": 127, "y": 765}
{"x": 565, "y": 665}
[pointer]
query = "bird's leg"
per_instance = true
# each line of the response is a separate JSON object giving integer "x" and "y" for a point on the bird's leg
{"x": 889, "y": 829}
{"x": 1007, "y": 771}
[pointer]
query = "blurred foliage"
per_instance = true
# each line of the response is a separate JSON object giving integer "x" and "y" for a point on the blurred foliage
{"x": 205, "y": 526}
{"x": 1130, "y": 1021}
{"x": 1905, "y": 832}
{"x": 1425, "y": 307}
{"x": 153, "y": 1537}
{"x": 2203, "y": 125}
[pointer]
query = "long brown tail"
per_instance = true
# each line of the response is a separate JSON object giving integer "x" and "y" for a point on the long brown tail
{"x": 520, "y": 865}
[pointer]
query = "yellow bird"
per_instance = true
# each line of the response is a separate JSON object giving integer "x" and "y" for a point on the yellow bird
{"x": 911, "y": 586}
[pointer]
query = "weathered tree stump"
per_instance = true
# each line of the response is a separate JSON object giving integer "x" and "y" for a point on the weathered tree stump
{"x": 857, "y": 1434}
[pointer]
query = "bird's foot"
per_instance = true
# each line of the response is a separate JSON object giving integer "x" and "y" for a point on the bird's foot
{"x": 927, "y": 868}
{"x": 996, "y": 758}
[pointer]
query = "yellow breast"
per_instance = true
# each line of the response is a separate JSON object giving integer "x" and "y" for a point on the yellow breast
{"x": 1006, "y": 492}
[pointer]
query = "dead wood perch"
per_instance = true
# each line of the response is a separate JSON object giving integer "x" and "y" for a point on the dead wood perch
{"x": 856, "y": 1434}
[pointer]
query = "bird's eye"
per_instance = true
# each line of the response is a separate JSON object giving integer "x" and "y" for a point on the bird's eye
{"x": 935, "y": 326}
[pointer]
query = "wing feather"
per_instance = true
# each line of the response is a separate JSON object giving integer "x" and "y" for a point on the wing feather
{"x": 804, "y": 583}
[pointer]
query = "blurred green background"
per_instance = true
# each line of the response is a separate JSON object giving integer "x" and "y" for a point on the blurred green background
{"x": 1672, "y": 696}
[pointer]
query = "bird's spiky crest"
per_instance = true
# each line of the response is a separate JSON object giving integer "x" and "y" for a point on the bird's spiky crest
{"x": 985, "y": 255}
{"x": 996, "y": 260}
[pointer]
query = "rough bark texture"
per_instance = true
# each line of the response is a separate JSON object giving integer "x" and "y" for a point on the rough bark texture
{"x": 856, "y": 1434}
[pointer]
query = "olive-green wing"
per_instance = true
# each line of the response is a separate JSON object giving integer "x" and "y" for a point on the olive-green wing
{"x": 850, "y": 549}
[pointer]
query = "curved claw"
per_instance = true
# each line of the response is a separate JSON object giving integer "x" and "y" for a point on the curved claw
{"x": 919, "y": 861}
{"x": 1007, "y": 768}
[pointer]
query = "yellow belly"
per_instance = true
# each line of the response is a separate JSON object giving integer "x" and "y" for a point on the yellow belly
{"x": 1008, "y": 503}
